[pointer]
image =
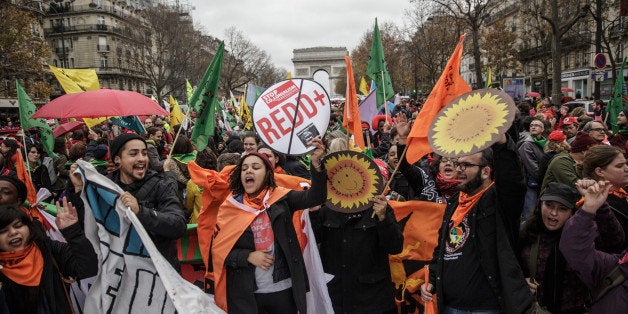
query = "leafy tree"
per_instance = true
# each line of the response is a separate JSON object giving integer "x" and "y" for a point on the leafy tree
{"x": 498, "y": 43}
{"x": 22, "y": 53}
{"x": 394, "y": 53}
{"x": 470, "y": 13}
{"x": 244, "y": 62}
{"x": 165, "y": 50}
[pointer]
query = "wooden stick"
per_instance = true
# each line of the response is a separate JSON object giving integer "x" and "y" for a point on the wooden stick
{"x": 392, "y": 175}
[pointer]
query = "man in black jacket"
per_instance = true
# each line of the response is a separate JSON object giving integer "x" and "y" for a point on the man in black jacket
{"x": 474, "y": 267}
{"x": 151, "y": 196}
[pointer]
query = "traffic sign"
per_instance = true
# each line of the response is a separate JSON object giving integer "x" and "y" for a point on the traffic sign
{"x": 600, "y": 61}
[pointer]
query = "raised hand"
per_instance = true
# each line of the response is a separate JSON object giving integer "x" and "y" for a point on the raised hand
{"x": 318, "y": 153}
{"x": 403, "y": 127}
{"x": 379, "y": 206}
{"x": 66, "y": 215}
{"x": 77, "y": 180}
{"x": 594, "y": 193}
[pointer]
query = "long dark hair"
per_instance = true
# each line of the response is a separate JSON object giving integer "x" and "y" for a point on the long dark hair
{"x": 235, "y": 180}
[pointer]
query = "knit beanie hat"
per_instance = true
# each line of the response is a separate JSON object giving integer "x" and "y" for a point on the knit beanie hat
{"x": 118, "y": 142}
{"x": 582, "y": 142}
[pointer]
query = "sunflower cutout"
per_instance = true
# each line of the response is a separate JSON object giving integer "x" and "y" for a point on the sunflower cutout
{"x": 471, "y": 122}
{"x": 353, "y": 179}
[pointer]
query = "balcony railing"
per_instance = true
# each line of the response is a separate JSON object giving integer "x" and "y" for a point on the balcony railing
{"x": 102, "y": 48}
{"x": 123, "y": 31}
{"x": 619, "y": 29}
{"x": 61, "y": 50}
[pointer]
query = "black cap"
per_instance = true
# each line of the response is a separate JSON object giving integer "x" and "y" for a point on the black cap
{"x": 562, "y": 193}
{"x": 118, "y": 142}
{"x": 22, "y": 192}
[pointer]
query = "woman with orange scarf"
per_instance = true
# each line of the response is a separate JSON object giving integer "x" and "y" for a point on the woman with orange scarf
{"x": 256, "y": 258}
{"x": 35, "y": 268}
{"x": 607, "y": 163}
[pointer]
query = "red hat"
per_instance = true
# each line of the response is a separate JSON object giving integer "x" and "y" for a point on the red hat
{"x": 365, "y": 125}
{"x": 380, "y": 117}
{"x": 570, "y": 120}
{"x": 557, "y": 136}
{"x": 264, "y": 158}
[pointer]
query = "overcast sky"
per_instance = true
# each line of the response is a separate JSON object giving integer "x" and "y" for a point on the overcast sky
{"x": 279, "y": 26}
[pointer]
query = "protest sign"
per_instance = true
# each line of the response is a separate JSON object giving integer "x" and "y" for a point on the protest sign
{"x": 290, "y": 113}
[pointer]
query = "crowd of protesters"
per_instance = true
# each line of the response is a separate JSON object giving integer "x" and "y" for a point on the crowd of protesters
{"x": 537, "y": 220}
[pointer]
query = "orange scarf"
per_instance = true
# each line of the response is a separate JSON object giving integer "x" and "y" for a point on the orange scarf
{"x": 24, "y": 266}
{"x": 465, "y": 203}
{"x": 620, "y": 193}
{"x": 256, "y": 202}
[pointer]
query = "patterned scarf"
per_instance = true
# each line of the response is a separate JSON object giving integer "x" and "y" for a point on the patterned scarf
{"x": 447, "y": 187}
{"x": 24, "y": 266}
{"x": 465, "y": 203}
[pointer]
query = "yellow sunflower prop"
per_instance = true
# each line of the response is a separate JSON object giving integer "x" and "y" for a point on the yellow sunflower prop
{"x": 471, "y": 122}
{"x": 353, "y": 179}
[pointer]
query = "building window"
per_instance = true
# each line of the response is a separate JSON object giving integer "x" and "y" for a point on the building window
{"x": 101, "y": 20}
{"x": 566, "y": 61}
{"x": 72, "y": 65}
{"x": 103, "y": 61}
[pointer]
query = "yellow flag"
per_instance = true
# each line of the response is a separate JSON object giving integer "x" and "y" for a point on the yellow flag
{"x": 289, "y": 76}
{"x": 76, "y": 81}
{"x": 364, "y": 89}
{"x": 176, "y": 116}
{"x": 245, "y": 114}
{"x": 188, "y": 89}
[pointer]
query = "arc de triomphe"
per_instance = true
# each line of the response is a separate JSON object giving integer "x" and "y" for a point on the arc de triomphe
{"x": 308, "y": 61}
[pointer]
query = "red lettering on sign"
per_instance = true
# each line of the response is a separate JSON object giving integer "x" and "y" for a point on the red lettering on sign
{"x": 288, "y": 109}
{"x": 319, "y": 98}
{"x": 266, "y": 129}
{"x": 309, "y": 107}
{"x": 279, "y": 122}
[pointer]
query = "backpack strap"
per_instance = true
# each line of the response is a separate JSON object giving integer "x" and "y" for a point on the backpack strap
{"x": 613, "y": 279}
{"x": 534, "y": 253}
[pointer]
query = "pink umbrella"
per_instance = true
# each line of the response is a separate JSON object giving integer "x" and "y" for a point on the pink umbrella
{"x": 67, "y": 127}
{"x": 566, "y": 90}
{"x": 532, "y": 94}
{"x": 100, "y": 103}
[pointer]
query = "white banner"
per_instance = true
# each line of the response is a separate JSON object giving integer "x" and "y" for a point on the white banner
{"x": 133, "y": 276}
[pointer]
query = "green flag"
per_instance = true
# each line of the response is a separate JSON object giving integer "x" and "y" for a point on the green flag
{"x": 616, "y": 103}
{"x": 376, "y": 69}
{"x": 27, "y": 109}
{"x": 204, "y": 101}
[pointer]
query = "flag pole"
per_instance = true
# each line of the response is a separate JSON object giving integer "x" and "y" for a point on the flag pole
{"x": 28, "y": 167}
{"x": 385, "y": 99}
{"x": 392, "y": 175}
{"x": 187, "y": 117}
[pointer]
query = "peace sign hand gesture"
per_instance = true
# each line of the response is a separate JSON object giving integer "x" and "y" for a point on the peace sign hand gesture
{"x": 66, "y": 215}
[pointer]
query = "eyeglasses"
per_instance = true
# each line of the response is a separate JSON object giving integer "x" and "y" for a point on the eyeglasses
{"x": 463, "y": 165}
{"x": 446, "y": 160}
{"x": 598, "y": 130}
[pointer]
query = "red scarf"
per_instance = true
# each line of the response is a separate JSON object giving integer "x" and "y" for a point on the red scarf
{"x": 465, "y": 203}
{"x": 24, "y": 266}
{"x": 447, "y": 187}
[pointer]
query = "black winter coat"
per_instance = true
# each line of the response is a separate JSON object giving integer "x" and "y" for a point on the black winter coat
{"x": 76, "y": 259}
{"x": 161, "y": 212}
{"x": 494, "y": 222}
{"x": 288, "y": 257}
{"x": 354, "y": 248}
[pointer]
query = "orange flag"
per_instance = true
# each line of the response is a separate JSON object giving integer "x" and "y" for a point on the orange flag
{"x": 23, "y": 175}
{"x": 351, "y": 117}
{"x": 420, "y": 221}
{"x": 449, "y": 86}
{"x": 430, "y": 307}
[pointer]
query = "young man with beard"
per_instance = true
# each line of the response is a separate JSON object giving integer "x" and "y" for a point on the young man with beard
{"x": 474, "y": 268}
{"x": 151, "y": 196}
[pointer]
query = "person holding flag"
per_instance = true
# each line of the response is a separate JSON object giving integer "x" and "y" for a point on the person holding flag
{"x": 477, "y": 236}
{"x": 256, "y": 258}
